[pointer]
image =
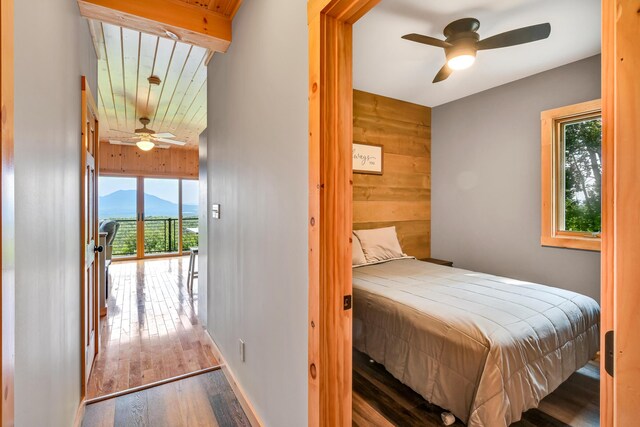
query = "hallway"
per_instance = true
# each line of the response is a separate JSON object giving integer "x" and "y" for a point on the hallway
{"x": 151, "y": 331}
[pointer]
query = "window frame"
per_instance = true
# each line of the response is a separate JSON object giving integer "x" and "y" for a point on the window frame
{"x": 551, "y": 151}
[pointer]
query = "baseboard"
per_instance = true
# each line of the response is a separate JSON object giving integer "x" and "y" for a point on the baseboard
{"x": 237, "y": 389}
{"x": 77, "y": 422}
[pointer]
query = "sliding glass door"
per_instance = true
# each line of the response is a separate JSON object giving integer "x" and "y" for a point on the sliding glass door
{"x": 190, "y": 196}
{"x": 157, "y": 216}
{"x": 118, "y": 202}
{"x": 161, "y": 216}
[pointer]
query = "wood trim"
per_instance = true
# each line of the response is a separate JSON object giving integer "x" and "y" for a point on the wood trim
{"x": 622, "y": 90}
{"x": 330, "y": 207}
{"x": 143, "y": 174}
{"x": 192, "y": 24}
{"x": 248, "y": 408}
{"x": 607, "y": 239}
{"x": 7, "y": 225}
{"x": 549, "y": 233}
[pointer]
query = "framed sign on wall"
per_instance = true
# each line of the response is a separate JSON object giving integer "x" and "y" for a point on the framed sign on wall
{"x": 368, "y": 158}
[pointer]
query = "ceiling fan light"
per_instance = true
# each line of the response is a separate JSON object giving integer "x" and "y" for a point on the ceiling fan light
{"x": 461, "y": 62}
{"x": 145, "y": 145}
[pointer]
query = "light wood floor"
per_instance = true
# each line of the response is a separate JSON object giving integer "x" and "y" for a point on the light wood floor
{"x": 202, "y": 400}
{"x": 151, "y": 331}
{"x": 382, "y": 401}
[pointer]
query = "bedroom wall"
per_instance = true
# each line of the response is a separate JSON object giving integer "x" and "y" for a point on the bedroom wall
{"x": 257, "y": 171}
{"x": 401, "y": 196}
{"x": 486, "y": 180}
{"x": 128, "y": 160}
{"x": 53, "y": 49}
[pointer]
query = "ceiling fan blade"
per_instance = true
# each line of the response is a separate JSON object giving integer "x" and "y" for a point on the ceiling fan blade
{"x": 444, "y": 72}
{"x": 432, "y": 41}
{"x": 164, "y": 135}
{"x": 169, "y": 141}
{"x": 116, "y": 142}
{"x": 121, "y": 131}
{"x": 516, "y": 37}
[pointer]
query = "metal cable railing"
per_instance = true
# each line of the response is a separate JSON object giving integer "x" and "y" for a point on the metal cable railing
{"x": 161, "y": 235}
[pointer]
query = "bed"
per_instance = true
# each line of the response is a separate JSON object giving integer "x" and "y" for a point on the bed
{"x": 484, "y": 347}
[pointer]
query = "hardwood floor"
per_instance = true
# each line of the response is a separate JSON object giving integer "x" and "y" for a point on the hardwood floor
{"x": 382, "y": 401}
{"x": 151, "y": 331}
{"x": 202, "y": 400}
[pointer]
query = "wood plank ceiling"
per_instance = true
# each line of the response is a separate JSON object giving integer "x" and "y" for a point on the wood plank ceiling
{"x": 127, "y": 58}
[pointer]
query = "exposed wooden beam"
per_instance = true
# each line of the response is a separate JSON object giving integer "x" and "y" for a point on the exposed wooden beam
{"x": 227, "y": 8}
{"x": 192, "y": 24}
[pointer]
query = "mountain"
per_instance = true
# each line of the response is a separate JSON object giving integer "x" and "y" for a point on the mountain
{"x": 122, "y": 204}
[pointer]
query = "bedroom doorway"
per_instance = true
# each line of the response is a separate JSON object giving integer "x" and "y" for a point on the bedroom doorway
{"x": 330, "y": 116}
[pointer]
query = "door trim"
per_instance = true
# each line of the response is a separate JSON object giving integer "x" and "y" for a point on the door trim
{"x": 7, "y": 225}
{"x": 620, "y": 394}
{"x": 330, "y": 207}
{"x": 87, "y": 102}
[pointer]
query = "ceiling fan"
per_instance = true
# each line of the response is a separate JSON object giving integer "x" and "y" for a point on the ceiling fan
{"x": 147, "y": 138}
{"x": 463, "y": 42}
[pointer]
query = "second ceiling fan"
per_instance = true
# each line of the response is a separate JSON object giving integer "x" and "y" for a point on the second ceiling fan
{"x": 463, "y": 42}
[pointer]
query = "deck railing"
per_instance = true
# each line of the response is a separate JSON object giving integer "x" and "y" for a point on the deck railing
{"x": 161, "y": 235}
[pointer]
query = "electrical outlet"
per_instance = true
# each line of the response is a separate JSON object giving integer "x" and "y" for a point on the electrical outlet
{"x": 241, "y": 348}
{"x": 215, "y": 211}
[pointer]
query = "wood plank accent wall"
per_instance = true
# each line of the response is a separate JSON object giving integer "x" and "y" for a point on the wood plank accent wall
{"x": 402, "y": 195}
{"x": 174, "y": 162}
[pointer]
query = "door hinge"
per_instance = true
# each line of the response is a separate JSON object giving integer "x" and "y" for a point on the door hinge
{"x": 608, "y": 352}
{"x": 347, "y": 302}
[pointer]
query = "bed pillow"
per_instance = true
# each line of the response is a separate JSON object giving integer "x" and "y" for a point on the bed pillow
{"x": 357, "y": 255}
{"x": 379, "y": 244}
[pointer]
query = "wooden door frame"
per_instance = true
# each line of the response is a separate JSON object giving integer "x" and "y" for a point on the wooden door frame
{"x": 330, "y": 205}
{"x": 7, "y": 224}
{"x": 88, "y": 101}
{"x": 620, "y": 395}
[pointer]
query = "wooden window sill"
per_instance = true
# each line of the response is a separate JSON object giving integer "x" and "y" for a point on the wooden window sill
{"x": 572, "y": 242}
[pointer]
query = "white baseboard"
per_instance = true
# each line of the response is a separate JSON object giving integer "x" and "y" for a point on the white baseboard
{"x": 237, "y": 388}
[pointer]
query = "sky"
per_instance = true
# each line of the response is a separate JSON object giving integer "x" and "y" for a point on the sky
{"x": 166, "y": 189}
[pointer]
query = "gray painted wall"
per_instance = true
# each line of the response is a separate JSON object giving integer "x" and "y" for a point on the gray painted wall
{"x": 486, "y": 180}
{"x": 203, "y": 227}
{"x": 53, "y": 49}
{"x": 257, "y": 165}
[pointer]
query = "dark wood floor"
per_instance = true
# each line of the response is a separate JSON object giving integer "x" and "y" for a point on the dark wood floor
{"x": 202, "y": 400}
{"x": 381, "y": 400}
{"x": 151, "y": 331}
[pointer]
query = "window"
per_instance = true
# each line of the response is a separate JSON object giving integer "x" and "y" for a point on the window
{"x": 571, "y": 176}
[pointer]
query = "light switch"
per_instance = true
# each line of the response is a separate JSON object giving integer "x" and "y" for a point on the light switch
{"x": 215, "y": 211}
